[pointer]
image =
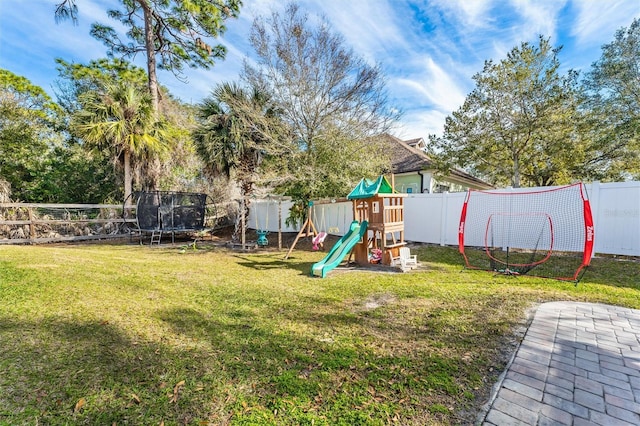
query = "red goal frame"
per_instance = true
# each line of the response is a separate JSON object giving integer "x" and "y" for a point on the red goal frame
{"x": 576, "y": 200}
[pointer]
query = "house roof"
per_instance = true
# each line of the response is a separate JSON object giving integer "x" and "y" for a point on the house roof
{"x": 415, "y": 143}
{"x": 406, "y": 159}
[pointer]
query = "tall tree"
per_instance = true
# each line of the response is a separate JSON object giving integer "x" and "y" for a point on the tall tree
{"x": 122, "y": 117}
{"x": 517, "y": 126}
{"x": 332, "y": 100}
{"x": 613, "y": 86}
{"x": 29, "y": 130}
{"x": 176, "y": 31}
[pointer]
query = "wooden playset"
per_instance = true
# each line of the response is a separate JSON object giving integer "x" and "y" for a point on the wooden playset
{"x": 377, "y": 203}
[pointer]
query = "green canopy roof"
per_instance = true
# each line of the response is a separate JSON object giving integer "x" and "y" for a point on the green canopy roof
{"x": 368, "y": 188}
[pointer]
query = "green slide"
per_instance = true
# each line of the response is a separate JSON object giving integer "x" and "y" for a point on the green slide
{"x": 340, "y": 250}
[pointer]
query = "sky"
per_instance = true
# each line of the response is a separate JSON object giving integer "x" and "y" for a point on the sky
{"x": 429, "y": 50}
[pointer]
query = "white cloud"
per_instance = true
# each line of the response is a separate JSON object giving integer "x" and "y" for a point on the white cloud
{"x": 436, "y": 86}
{"x": 369, "y": 27}
{"x": 421, "y": 123}
{"x": 471, "y": 13}
{"x": 597, "y": 18}
{"x": 539, "y": 17}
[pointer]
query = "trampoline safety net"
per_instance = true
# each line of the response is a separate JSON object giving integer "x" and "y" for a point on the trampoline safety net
{"x": 171, "y": 211}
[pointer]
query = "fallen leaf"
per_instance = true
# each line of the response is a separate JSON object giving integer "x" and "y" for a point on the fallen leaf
{"x": 81, "y": 402}
{"x": 176, "y": 391}
{"x": 135, "y": 398}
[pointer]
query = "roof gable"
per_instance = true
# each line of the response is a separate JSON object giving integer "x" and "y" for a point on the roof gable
{"x": 417, "y": 143}
{"x": 404, "y": 158}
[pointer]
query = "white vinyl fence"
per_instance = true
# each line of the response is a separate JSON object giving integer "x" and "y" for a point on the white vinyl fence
{"x": 434, "y": 218}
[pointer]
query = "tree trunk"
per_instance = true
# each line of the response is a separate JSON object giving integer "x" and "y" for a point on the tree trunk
{"x": 151, "y": 53}
{"x": 127, "y": 177}
{"x": 515, "y": 179}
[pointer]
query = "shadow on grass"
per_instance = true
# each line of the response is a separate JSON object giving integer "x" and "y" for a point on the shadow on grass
{"x": 273, "y": 261}
{"x": 318, "y": 379}
{"x": 232, "y": 366}
{"x": 65, "y": 371}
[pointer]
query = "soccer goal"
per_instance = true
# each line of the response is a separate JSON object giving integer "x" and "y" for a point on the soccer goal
{"x": 546, "y": 233}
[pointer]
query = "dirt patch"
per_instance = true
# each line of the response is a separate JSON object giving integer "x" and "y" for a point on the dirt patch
{"x": 376, "y": 301}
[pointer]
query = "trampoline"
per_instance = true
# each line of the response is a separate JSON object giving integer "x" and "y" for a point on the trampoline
{"x": 159, "y": 212}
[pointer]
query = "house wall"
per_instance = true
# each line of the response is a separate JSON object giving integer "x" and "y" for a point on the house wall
{"x": 439, "y": 186}
{"x": 410, "y": 183}
{"x": 407, "y": 183}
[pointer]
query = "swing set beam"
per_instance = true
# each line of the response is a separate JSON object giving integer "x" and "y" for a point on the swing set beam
{"x": 308, "y": 229}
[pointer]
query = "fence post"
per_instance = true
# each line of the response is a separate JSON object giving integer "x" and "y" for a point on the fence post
{"x": 594, "y": 200}
{"x": 279, "y": 224}
{"x": 32, "y": 225}
{"x": 243, "y": 237}
{"x": 443, "y": 218}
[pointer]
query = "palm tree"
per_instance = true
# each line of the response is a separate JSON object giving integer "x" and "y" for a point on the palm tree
{"x": 239, "y": 128}
{"x": 120, "y": 118}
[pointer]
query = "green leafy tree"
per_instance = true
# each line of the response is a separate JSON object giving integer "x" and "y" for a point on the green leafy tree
{"x": 613, "y": 86}
{"x": 121, "y": 117}
{"x": 518, "y": 126}
{"x": 332, "y": 100}
{"x": 29, "y": 124}
{"x": 72, "y": 174}
{"x": 183, "y": 169}
{"x": 177, "y": 32}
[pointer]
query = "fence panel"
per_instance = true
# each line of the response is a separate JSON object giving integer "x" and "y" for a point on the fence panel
{"x": 616, "y": 215}
{"x": 434, "y": 218}
{"x": 26, "y": 223}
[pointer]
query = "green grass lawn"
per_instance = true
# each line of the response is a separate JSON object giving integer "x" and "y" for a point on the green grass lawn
{"x": 128, "y": 334}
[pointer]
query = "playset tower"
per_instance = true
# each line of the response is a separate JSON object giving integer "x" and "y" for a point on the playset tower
{"x": 377, "y": 203}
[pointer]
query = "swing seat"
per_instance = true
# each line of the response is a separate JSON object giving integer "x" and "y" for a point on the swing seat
{"x": 262, "y": 240}
{"x": 319, "y": 239}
